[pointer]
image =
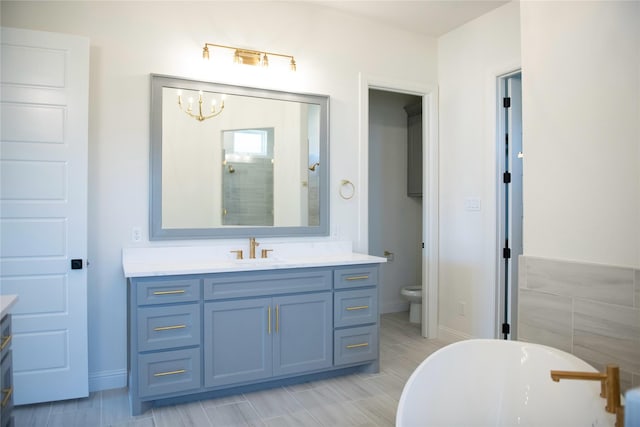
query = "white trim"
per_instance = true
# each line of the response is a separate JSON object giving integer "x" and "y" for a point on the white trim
{"x": 494, "y": 245}
{"x": 107, "y": 380}
{"x": 429, "y": 94}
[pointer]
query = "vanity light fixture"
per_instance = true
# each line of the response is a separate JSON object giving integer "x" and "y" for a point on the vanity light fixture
{"x": 249, "y": 57}
{"x": 200, "y": 116}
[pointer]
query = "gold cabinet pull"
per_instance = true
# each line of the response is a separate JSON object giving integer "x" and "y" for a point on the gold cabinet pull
{"x": 362, "y": 344}
{"x": 177, "y": 291}
{"x": 365, "y": 277}
{"x": 277, "y": 318}
{"x": 7, "y": 392}
{"x": 269, "y": 320}
{"x": 164, "y": 374}
{"x": 169, "y": 328}
{"x": 358, "y": 307}
{"x": 5, "y": 341}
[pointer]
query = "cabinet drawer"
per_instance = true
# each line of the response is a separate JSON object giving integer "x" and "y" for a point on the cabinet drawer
{"x": 234, "y": 285}
{"x": 157, "y": 291}
{"x": 168, "y": 327}
{"x": 356, "y": 276}
{"x": 5, "y": 335}
{"x": 357, "y": 307}
{"x": 169, "y": 372}
{"x": 6, "y": 386}
{"x": 355, "y": 345}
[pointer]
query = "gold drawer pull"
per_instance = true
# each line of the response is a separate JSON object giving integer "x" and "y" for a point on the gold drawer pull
{"x": 358, "y": 307}
{"x": 365, "y": 277}
{"x": 177, "y": 291}
{"x": 363, "y": 344}
{"x": 8, "y": 392}
{"x": 5, "y": 341}
{"x": 269, "y": 321}
{"x": 168, "y": 328}
{"x": 162, "y": 374}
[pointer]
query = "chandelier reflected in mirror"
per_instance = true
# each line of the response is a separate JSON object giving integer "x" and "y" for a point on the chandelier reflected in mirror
{"x": 200, "y": 116}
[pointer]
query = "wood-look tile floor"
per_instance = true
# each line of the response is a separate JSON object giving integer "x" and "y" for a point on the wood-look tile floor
{"x": 353, "y": 400}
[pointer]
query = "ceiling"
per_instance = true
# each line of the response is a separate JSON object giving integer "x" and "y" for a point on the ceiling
{"x": 428, "y": 17}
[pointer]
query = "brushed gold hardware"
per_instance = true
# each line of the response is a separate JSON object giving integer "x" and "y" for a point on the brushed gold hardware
{"x": 362, "y": 344}
{"x": 350, "y": 189}
{"x": 163, "y": 374}
{"x": 252, "y": 247}
{"x": 265, "y": 253}
{"x": 177, "y": 291}
{"x": 609, "y": 387}
{"x": 359, "y": 307}
{"x": 277, "y": 318}
{"x": 238, "y": 253}
{"x": 169, "y": 328}
{"x": 8, "y": 392}
{"x": 5, "y": 341}
{"x": 364, "y": 277}
{"x": 248, "y": 56}
{"x": 269, "y": 320}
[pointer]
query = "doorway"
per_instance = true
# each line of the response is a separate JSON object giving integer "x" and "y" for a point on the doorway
{"x": 429, "y": 252}
{"x": 510, "y": 211}
{"x": 395, "y": 207}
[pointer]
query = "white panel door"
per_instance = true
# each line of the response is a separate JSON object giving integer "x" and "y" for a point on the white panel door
{"x": 43, "y": 210}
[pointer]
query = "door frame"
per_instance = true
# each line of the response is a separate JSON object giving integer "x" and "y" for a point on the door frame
{"x": 430, "y": 223}
{"x": 500, "y": 219}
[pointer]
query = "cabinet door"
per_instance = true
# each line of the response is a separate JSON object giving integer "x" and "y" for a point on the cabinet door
{"x": 303, "y": 328}
{"x": 237, "y": 341}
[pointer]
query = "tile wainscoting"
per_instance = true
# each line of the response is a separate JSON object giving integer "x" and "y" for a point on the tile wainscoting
{"x": 590, "y": 310}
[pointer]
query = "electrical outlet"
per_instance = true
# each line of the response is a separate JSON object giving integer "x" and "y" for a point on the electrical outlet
{"x": 136, "y": 234}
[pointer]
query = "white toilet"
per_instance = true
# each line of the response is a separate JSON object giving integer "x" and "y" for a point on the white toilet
{"x": 414, "y": 295}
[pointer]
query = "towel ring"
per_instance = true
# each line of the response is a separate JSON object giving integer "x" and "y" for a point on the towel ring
{"x": 351, "y": 189}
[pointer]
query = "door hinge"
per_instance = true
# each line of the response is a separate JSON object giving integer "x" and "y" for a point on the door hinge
{"x": 422, "y": 245}
{"x": 506, "y": 328}
{"x": 506, "y": 177}
{"x": 506, "y": 102}
{"x": 506, "y": 253}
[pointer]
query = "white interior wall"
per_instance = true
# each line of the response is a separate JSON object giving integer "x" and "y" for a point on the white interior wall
{"x": 395, "y": 219}
{"x": 581, "y": 125}
{"x": 130, "y": 40}
{"x": 469, "y": 59}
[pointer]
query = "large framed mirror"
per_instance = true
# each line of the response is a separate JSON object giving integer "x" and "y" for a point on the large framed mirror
{"x": 232, "y": 161}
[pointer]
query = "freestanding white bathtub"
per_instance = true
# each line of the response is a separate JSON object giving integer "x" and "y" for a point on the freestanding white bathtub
{"x": 500, "y": 383}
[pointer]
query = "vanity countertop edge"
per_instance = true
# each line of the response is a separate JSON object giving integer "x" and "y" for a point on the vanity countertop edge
{"x": 6, "y": 302}
{"x": 181, "y": 267}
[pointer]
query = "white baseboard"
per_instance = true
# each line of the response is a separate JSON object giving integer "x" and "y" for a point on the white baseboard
{"x": 107, "y": 380}
{"x": 451, "y": 335}
{"x": 394, "y": 307}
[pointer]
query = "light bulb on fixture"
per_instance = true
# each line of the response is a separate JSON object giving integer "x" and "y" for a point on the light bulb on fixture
{"x": 250, "y": 57}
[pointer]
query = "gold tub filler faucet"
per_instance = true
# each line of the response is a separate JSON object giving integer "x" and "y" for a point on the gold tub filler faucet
{"x": 609, "y": 387}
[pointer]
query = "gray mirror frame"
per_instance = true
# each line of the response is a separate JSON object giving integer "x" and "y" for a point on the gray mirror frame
{"x": 156, "y": 232}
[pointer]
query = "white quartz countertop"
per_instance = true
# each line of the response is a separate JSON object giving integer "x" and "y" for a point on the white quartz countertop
{"x": 6, "y": 302}
{"x": 164, "y": 261}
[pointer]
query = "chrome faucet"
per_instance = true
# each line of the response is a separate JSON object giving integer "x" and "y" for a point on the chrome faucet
{"x": 252, "y": 247}
{"x": 609, "y": 387}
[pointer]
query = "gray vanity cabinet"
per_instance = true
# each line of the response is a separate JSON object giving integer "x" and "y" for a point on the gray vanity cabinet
{"x": 195, "y": 336}
{"x": 253, "y": 339}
